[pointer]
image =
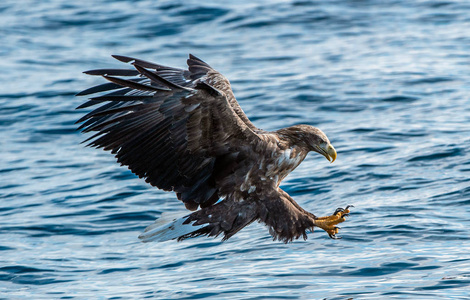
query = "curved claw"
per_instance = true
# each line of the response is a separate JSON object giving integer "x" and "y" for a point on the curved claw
{"x": 334, "y": 237}
{"x": 328, "y": 223}
{"x": 338, "y": 210}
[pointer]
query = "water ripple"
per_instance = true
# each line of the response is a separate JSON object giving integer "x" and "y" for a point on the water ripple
{"x": 387, "y": 81}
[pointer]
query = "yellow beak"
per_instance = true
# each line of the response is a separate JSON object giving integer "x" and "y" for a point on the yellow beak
{"x": 328, "y": 151}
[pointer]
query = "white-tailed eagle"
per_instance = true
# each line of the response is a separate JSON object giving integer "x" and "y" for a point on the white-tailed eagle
{"x": 184, "y": 131}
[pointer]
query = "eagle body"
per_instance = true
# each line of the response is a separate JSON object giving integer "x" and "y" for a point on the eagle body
{"x": 184, "y": 131}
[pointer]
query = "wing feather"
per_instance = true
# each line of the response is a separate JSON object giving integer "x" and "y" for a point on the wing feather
{"x": 99, "y": 88}
{"x": 113, "y": 72}
{"x": 107, "y": 87}
{"x": 135, "y": 85}
{"x": 169, "y": 132}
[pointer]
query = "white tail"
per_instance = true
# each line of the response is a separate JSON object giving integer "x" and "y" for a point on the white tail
{"x": 161, "y": 231}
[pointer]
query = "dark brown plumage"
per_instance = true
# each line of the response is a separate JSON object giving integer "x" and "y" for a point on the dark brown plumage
{"x": 184, "y": 131}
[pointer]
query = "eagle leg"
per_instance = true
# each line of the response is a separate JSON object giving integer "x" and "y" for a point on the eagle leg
{"x": 328, "y": 223}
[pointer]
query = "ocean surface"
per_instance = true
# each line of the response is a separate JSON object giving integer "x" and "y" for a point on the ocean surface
{"x": 388, "y": 81}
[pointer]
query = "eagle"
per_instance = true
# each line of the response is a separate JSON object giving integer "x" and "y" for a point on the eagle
{"x": 182, "y": 130}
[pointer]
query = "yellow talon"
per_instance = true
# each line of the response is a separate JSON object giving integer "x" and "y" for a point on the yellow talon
{"x": 328, "y": 223}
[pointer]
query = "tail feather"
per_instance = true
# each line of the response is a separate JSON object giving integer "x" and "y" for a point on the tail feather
{"x": 224, "y": 218}
{"x": 161, "y": 231}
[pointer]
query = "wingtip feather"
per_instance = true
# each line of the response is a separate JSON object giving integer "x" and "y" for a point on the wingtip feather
{"x": 81, "y": 93}
{"x": 122, "y": 58}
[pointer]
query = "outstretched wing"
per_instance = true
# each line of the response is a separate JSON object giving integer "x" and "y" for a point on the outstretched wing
{"x": 186, "y": 78}
{"x": 169, "y": 126}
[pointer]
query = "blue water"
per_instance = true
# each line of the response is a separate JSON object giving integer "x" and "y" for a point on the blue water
{"x": 388, "y": 81}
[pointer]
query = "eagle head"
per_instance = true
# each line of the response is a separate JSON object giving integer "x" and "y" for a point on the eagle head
{"x": 318, "y": 141}
{"x": 311, "y": 138}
